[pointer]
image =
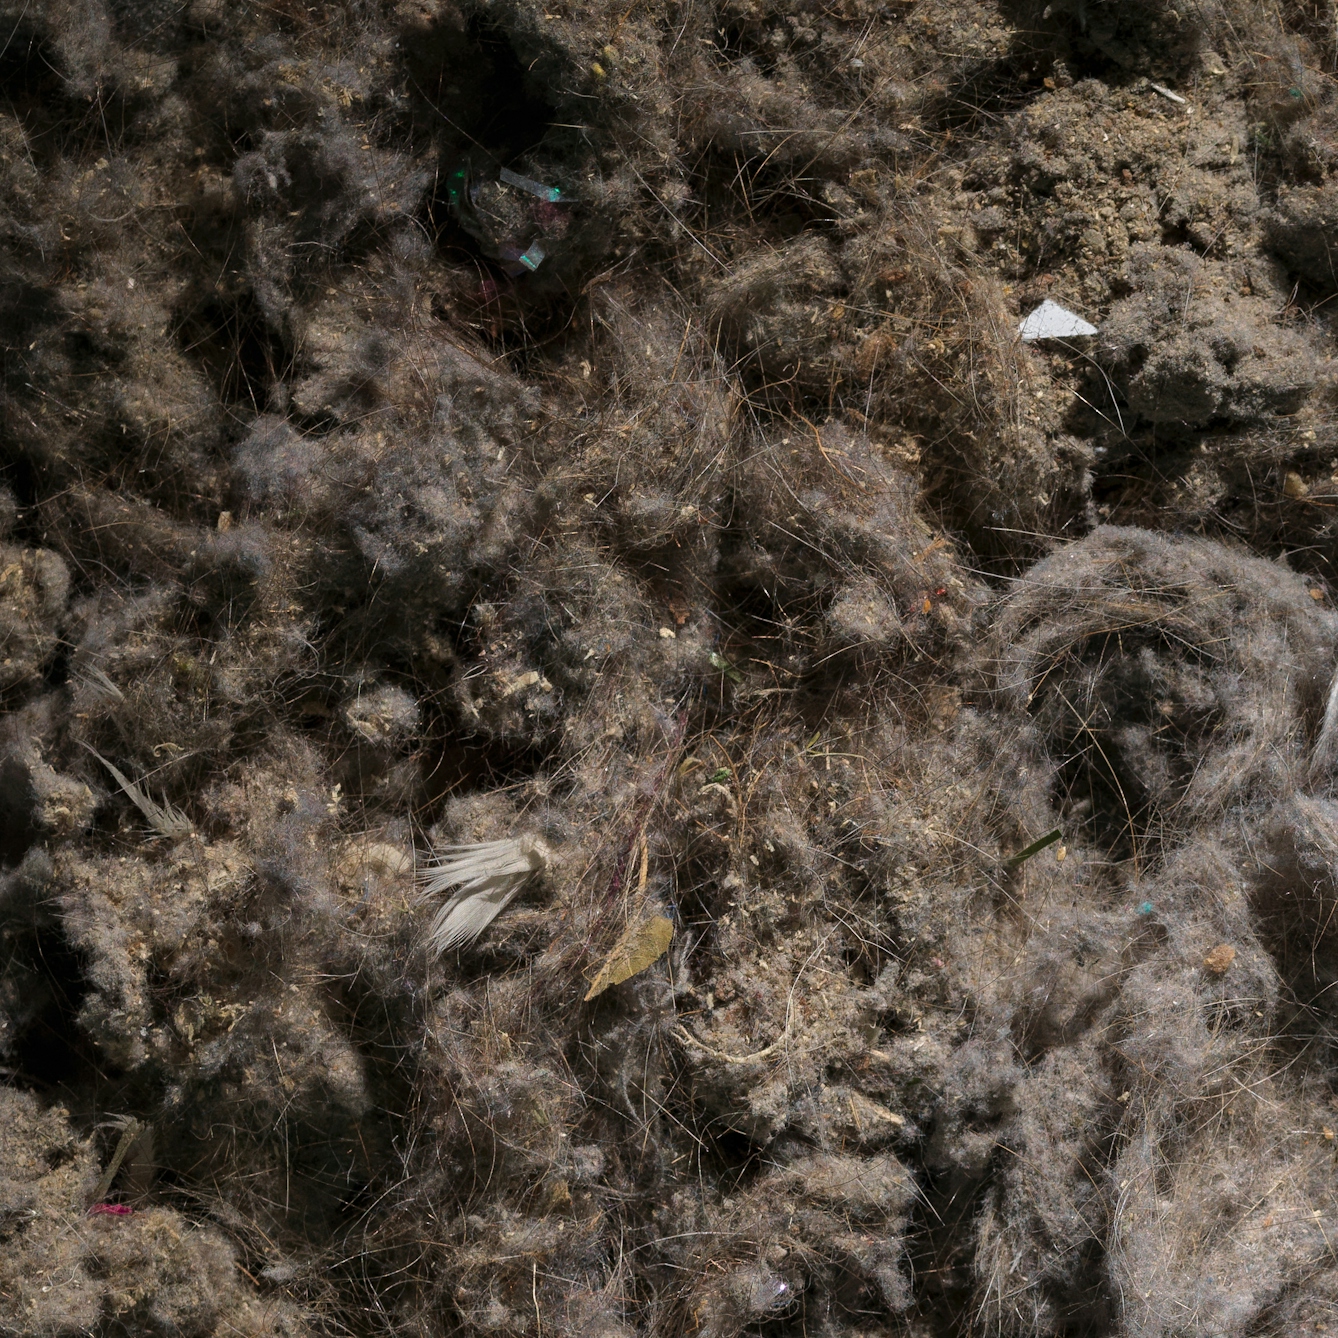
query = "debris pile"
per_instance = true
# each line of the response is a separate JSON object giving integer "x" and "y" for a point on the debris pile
{"x": 667, "y": 670}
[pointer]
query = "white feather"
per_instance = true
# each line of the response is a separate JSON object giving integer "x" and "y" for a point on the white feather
{"x": 166, "y": 819}
{"x": 479, "y": 882}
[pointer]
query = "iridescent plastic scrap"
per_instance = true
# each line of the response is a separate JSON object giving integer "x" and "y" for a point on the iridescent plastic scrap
{"x": 549, "y": 194}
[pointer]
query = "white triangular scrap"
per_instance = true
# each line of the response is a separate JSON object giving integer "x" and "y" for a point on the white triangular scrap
{"x": 1051, "y": 321}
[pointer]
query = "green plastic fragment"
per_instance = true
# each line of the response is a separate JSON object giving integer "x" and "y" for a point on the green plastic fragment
{"x": 718, "y": 661}
{"x": 1034, "y": 848}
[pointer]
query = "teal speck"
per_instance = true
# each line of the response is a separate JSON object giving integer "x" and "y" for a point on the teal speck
{"x": 1145, "y": 908}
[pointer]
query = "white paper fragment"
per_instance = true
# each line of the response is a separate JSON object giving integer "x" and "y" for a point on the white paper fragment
{"x": 1051, "y": 321}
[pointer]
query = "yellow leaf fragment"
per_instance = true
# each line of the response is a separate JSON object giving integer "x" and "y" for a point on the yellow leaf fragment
{"x": 641, "y": 943}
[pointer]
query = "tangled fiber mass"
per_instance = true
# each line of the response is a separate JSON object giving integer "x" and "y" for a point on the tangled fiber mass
{"x": 591, "y": 745}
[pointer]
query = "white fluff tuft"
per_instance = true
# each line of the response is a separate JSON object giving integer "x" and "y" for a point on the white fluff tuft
{"x": 481, "y": 881}
{"x": 1326, "y": 746}
{"x": 95, "y": 679}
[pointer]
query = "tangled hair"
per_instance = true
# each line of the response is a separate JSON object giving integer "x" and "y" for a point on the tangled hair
{"x": 1166, "y": 680}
